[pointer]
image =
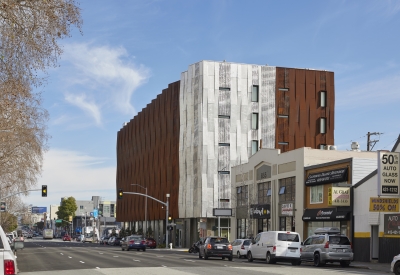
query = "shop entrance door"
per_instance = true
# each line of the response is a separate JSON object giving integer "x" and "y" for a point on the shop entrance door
{"x": 375, "y": 241}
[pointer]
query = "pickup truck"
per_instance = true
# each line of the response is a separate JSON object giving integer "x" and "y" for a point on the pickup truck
{"x": 8, "y": 261}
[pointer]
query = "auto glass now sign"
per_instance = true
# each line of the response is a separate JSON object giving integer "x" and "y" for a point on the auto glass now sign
{"x": 388, "y": 173}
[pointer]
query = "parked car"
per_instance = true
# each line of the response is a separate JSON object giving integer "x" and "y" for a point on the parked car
{"x": 216, "y": 247}
{"x": 66, "y": 237}
{"x": 395, "y": 265}
{"x": 240, "y": 247}
{"x": 117, "y": 241}
{"x": 276, "y": 246}
{"x": 29, "y": 235}
{"x": 104, "y": 240}
{"x": 8, "y": 264}
{"x": 111, "y": 240}
{"x": 81, "y": 238}
{"x": 327, "y": 245}
{"x": 151, "y": 243}
{"x": 134, "y": 242}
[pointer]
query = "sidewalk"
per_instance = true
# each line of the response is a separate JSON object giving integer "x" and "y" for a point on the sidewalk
{"x": 385, "y": 267}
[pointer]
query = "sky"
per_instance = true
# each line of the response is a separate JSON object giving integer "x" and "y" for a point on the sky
{"x": 130, "y": 51}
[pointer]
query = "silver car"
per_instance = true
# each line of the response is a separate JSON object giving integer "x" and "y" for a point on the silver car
{"x": 240, "y": 247}
{"x": 327, "y": 245}
{"x": 395, "y": 265}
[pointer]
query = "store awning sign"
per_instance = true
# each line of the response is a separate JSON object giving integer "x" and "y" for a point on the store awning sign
{"x": 325, "y": 214}
{"x": 332, "y": 176}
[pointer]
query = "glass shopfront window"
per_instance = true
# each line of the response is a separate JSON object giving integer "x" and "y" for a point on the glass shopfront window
{"x": 342, "y": 225}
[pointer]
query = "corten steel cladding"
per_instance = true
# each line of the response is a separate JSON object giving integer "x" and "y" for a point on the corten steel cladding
{"x": 298, "y": 109}
{"x": 148, "y": 154}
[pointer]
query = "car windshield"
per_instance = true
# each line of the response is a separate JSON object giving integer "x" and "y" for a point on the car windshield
{"x": 339, "y": 240}
{"x": 219, "y": 240}
{"x": 136, "y": 238}
{"x": 287, "y": 237}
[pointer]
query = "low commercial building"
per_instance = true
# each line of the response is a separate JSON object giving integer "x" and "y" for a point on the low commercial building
{"x": 376, "y": 211}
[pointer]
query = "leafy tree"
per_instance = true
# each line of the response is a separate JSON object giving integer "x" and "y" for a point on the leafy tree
{"x": 68, "y": 208}
{"x": 140, "y": 231}
{"x": 149, "y": 231}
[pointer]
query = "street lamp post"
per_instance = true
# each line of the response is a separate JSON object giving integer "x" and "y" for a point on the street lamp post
{"x": 166, "y": 214}
{"x": 145, "y": 209}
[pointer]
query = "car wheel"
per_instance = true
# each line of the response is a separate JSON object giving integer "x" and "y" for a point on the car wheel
{"x": 123, "y": 249}
{"x": 144, "y": 249}
{"x": 230, "y": 258}
{"x": 127, "y": 249}
{"x": 191, "y": 250}
{"x": 238, "y": 255}
{"x": 317, "y": 260}
{"x": 344, "y": 263}
{"x": 205, "y": 256}
{"x": 200, "y": 257}
{"x": 138, "y": 249}
{"x": 268, "y": 259}
{"x": 396, "y": 268}
{"x": 223, "y": 258}
{"x": 249, "y": 256}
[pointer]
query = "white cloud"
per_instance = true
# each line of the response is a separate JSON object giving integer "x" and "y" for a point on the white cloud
{"x": 370, "y": 93}
{"x": 71, "y": 173}
{"x": 88, "y": 106}
{"x": 105, "y": 74}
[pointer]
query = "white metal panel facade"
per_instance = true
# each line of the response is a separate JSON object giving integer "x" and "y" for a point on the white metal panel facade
{"x": 362, "y": 168}
{"x": 215, "y": 133}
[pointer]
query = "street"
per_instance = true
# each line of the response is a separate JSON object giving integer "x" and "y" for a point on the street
{"x": 50, "y": 256}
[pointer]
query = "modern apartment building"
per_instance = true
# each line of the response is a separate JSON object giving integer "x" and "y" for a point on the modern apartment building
{"x": 185, "y": 141}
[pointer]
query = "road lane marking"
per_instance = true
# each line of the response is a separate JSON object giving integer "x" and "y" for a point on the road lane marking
{"x": 160, "y": 256}
{"x": 70, "y": 257}
{"x": 163, "y": 265}
{"x": 61, "y": 254}
{"x": 189, "y": 260}
{"x": 115, "y": 256}
{"x": 82, "y": 262}
{"x": 136, "y": 260}
{"x": 97, "y": 267}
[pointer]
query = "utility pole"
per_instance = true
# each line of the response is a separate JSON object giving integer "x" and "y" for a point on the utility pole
{"x": 371, "y": 143}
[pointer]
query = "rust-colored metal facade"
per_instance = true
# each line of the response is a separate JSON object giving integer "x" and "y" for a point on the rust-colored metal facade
{"x": 147, "y": 154}
{"x": 298, "y": 108}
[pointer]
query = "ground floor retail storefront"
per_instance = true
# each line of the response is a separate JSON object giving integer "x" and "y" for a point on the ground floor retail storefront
{"x": 327, "y": 217}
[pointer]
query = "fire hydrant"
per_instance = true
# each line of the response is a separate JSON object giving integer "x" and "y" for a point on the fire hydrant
{"x": 170, "y": 245}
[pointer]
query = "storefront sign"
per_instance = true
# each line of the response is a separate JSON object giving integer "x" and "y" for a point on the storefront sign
{"x": 391, "y": 224}
{"x": 260, "y": 211}
{"x": 339, "y": 196}
{"x": 388, "y": 173}
{"x": 325, "y": 214}
{"x": 333, "y": 176}
{"x": 287, "y": 209}
{"x": 383, "y": 205}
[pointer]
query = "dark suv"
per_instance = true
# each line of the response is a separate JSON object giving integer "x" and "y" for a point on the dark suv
{"x": 216, "y": 247}
{"x": 327, "y": 245}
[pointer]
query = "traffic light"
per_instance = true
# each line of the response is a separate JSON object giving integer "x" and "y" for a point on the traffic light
{"x": 120, "y": 193}
{"x": 44, "y": 190}
{"x": 170, "y": 228}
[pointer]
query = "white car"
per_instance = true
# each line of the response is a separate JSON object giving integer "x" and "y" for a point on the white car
{"x": 240, "y": 247}
{"x": 7, "y": 257}
{"x": 395, "y": 265}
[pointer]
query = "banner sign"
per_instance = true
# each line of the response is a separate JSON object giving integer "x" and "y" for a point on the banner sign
{"x": 333, "y": 176}
{"x": 391, "y": 224}
{"x": 339, "y": 196}
{"x": 383, "y": 204}
{"x": 260, "y": 211}
{"x": 287, "y": 209}
{"x": 39, "y": 210}
{"x": 388, "y": 173}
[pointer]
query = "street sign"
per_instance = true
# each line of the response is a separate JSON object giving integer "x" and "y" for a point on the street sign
{"x": 388, "y": 173}
{"x": 58, "y": 221}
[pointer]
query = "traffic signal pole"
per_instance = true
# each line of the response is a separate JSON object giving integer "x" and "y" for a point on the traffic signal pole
{"x": 166, "y": 214}
{"x": 19, "y": 193}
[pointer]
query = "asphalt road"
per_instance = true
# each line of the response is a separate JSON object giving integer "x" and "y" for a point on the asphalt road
{"x": 66, "y": 258}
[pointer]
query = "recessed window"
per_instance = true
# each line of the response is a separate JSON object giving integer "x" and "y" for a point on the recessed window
{"x": 254, "y": 94}
{"x": 242, "y": 195}
{"x": 223, "y": 116}
{"x": 264, "y": 192}
{"x": 283, "y": 116}
{"x": 322, "y": 146}
{"x": 254, "y": 121}
{"x": 322, "y": 125}
{"x": 80, "y": 207}
{"x": 224, "y": 89}
{"x": 283, "y": 89}
{"x": 322, "y": 99}
{"x": 316, "y": 194}
{"x": 223, "y": 144}
{"x": 283, "y": 143}
{"x": 282, "y": 190}
{"x": 254, "y": 146}
{"x": 268, "y": 192}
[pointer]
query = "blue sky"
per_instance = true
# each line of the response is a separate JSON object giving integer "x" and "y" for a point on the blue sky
{"x": 131, "y": 50}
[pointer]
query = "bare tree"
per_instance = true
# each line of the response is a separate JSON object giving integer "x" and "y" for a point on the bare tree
{"x": 29, "y": 34}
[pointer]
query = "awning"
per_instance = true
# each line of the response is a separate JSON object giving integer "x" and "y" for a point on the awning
{"x": 325, "y": 214}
